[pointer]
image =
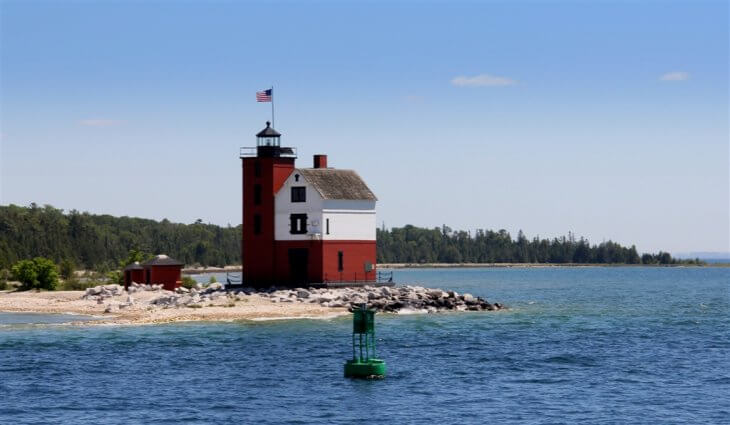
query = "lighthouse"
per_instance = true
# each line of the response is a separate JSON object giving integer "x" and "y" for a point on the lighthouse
{"x": 303, "y": 226}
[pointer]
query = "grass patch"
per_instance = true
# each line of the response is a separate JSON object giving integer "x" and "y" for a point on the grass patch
{"x": 194, "y": 306}
{"x": 76, "y": 285}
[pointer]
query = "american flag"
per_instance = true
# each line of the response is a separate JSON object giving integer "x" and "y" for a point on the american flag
{"x": 264, "y": 96}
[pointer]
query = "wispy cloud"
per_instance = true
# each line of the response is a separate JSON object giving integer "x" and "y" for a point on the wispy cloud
{"x": 100, "y": 122}
{"x": 482, "y": 80}
{"x": 675, "y": 76}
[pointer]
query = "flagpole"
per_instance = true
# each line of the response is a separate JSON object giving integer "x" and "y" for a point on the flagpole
{"x": 272, "y": 107}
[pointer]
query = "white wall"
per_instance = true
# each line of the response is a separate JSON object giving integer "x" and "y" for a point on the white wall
{"x": 349, "y": 219}
{"x": 283, "y": 207}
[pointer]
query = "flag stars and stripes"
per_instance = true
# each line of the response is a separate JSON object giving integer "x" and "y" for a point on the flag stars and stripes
{"x": 264, "y": 96}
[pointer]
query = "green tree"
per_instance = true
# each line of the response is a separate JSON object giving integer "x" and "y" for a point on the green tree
{"x": 38, "y": 273}
{"x": 66, "y": 269}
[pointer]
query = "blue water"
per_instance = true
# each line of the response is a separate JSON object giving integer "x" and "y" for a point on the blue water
{"x": 588, "y": 345}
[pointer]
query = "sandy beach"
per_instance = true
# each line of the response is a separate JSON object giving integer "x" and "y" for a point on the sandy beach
{"x": 238, "y": 307}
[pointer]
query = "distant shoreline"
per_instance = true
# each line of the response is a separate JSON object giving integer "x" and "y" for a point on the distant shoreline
{"x": 531, "y": 265}
{"x": 238, "y": 269}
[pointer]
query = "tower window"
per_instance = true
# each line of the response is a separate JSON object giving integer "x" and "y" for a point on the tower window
{"x": 340, "y": 261}
{"x": 327, "y": 226}
{"x": 257, "y": 224}
{"x": 299, "y": 194}
{"x": 298, "y": 224}
{"x": 257, "y": 194}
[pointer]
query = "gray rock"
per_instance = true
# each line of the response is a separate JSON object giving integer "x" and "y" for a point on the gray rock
{"x": 303, "y": 293}
{"x": 437, "y": 293}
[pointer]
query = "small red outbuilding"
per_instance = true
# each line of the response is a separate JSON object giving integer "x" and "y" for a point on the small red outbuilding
{"x": 133, "y": 273}
{"x": 163, "y": 270}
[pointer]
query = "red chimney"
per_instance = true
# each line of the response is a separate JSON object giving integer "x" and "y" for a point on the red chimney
{"x": 320, "y": 161}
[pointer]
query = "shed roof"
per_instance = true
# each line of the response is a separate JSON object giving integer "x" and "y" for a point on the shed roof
{"x": 162, "y": 260}
{"x": 337, "y": 184}
{"x": 134, "y": 266}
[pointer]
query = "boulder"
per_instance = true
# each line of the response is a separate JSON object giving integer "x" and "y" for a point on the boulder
{"x": 303, "y": 293}
{"x": 437, "y": 293}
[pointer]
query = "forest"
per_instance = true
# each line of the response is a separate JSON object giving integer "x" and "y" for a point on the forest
{"x": 412, "y": 244}
{"x": 101, "y": 242}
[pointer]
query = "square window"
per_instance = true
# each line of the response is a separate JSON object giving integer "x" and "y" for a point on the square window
{"x": 298, "y": 194}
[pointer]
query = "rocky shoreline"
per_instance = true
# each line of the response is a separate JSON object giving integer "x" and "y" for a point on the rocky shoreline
{"x": 383, "y": 299}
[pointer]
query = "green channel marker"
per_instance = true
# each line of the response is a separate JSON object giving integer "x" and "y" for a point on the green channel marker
{"x": 366, "y": 365}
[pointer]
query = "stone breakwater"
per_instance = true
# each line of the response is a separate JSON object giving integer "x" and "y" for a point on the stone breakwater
{"x": 384, "y": 299}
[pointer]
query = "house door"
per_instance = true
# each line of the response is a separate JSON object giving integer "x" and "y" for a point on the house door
{"x": 299, "y": 265}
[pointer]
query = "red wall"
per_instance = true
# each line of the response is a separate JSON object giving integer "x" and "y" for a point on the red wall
{"x": 169, "y": 276}
{"x": 323, "y": 260}
{"x": 133, "y": 276}
{"x": 315, "y": 260}
{"x": 355, "y": 254}
{"x": 258, "y": 255}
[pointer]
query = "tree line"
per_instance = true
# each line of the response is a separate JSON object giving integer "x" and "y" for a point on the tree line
{"x": 412, "y": 244}
{"x": 102, "y": 242}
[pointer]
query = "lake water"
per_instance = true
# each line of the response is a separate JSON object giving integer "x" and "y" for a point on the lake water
{"x": 578, "y": 345}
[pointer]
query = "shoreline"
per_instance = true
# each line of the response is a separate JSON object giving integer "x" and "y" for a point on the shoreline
{"x": 242, "y": 307}
{"x": 531, "y": 265}
{"x": 239, "y": 269}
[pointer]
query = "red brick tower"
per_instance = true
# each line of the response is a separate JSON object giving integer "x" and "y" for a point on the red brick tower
{"x": 265, "y": 168}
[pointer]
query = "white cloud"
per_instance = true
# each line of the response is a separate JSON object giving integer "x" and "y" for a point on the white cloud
{"x": 99, "y": 122}
{"x": 675, "y": 76}
{"x": 482, "y": 80}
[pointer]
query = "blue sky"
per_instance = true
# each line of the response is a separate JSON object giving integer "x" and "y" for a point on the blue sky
{"x": 607, "y": 119}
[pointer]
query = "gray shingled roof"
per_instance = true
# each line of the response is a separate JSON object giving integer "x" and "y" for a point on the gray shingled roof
{"x": 162, "y": 260}
{"x": 134, "y": 266}
{"x": 332, "y": 183}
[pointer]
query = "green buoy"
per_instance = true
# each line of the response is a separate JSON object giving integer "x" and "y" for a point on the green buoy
{"x": 366, "y": 365}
